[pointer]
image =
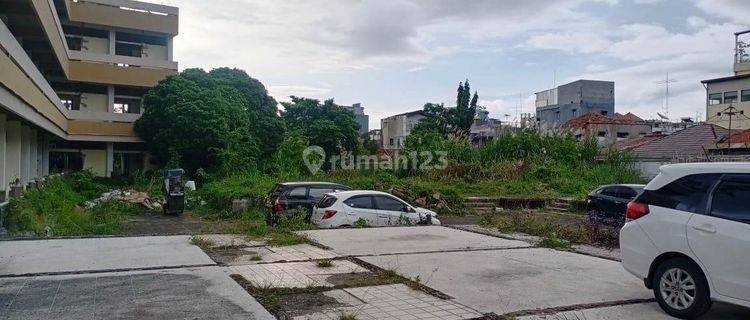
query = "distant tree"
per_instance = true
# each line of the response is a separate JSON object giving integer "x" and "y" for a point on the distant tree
{"x": 466, "y": 108}
{"x": 438, "y": 118}
{"x": 190, "y": 119}
{"x": 326, "y": 125}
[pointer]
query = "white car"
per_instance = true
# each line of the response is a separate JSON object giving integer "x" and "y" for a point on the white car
{"x": 373, "y": 208}
{"x": 688, "y": 236}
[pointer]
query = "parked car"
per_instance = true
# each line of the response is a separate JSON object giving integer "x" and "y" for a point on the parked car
{"x": 374, "y": 208}
{"x": 607, "y": 204}
{"x": 688, "y": 236}
{"x": 288, "y": 196}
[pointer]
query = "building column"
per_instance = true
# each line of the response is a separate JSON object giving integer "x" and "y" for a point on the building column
{"x": 13, "y": 152}
{"x": 110, "y": 159}
{"x": 3, "y": 144}
{"x": 25, "y": 155}
{"x": 44, "y": 155}
{"x": 112, "y": 39}
{"x": 170, "y": 49}
{"x": 33, "y": 155}
{"x": 110, "y": 98}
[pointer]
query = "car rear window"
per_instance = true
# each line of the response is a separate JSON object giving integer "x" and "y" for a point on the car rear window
{"x": 297, "y": 193}
{"x": 327, "y": 201}
{"x": 319, "y": 192}
{"x": 688, "y": 193}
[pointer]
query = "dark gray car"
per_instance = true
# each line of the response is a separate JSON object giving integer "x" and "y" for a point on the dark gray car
{"x": 607, "y": 204}
{"x": 289, "y": 196}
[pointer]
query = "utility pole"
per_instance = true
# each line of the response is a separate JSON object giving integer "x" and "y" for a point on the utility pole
{"x": 732, "y": 111}
{"x": 666, "y": 83}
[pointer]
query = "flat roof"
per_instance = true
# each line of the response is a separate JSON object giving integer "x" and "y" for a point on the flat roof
{"x": 734, "y": 77}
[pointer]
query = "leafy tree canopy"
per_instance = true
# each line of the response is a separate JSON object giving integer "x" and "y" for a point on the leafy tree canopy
{"x": 209, "y": 119}
{"x": 327, "y": 125}
{"x": 438, "y": 118}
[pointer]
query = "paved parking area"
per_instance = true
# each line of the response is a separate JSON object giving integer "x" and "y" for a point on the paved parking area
{"x": 394, "y": 240}
{"x": 191, "y": 293}
{"x": 504, "y": 276}
{"x": 28, "y": 257}
{"x": 295, "y": 274}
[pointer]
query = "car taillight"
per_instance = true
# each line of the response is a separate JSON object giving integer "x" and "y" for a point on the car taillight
{"x": 328, "y": 214}
{"x": 636, "y": 210}
{"x": 277, "y": 206}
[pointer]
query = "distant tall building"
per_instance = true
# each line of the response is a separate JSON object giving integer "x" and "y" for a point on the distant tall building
{"x": 729, "y": 97}
{"x": 396, "y": 128}
{"x": 360, "y": 117}
{"x": 558, "y": 105}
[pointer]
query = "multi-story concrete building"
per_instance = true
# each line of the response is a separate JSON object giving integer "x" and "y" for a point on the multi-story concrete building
{"x": 728, "y": 98}
{"x": 360, "y": 117}
{"x": 558, "y": 105}
{"x": 72, "y": 75}
{"x": 395, "y": 129}
{"x": 608, "y": 130}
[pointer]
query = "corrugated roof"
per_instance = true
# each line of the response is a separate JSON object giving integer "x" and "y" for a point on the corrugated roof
{"x": 686, "y": 142}
{"x": 636, "y": 142}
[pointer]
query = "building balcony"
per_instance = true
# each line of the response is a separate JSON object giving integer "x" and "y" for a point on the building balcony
{"x": 125, "y": 14}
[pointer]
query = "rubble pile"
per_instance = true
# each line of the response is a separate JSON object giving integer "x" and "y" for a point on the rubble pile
{"x": 434, "y": 201}
{"x": 131, "y": 196}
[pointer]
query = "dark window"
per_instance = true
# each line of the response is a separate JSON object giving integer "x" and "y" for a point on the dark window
{"x": 602, "y": 133}
{"x": 627, "y": 193}
{"x": 745, "y": 95}
{"x": 730, "y": 200}
{"x": 730, "y": 96}
{"x": 686, "y": 194}
{"x": 74, "y": 43}
{"x": 128, "y": 49}
{"x": 317, "y": 192}
{"x": 297, "y": 193}
{"x": 361, "y": 202}
{"x": 622, "y": 134}
{"x": 604, "y": 113}
{"x": 389, "y": 204}
{"x": 609, "y": 191}
{"x": 327, "y": 201}
{"x": 714, "y": 98}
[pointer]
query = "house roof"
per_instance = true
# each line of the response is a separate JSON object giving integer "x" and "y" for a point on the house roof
{"x": 739, "y": 76}
{"x": 630, "y": 144}
{"x": 692, "y": 141}
{"x": 597, "y": 118}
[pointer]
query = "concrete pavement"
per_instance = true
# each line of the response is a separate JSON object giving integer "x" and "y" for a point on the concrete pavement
{"x": 27, "y": 257}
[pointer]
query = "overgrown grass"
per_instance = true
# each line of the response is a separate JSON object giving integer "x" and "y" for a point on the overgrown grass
{"x": 558, "y": 231}
{"x": 54, "y": 209}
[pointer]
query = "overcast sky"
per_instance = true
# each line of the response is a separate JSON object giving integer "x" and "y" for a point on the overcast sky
{"x": 394, "y": 55}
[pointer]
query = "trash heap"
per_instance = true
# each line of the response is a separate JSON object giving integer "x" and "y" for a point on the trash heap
{"x": 132, "y": 196}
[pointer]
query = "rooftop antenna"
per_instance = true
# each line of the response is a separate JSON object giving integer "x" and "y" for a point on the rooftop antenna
{"x": 663, "y": 117}
{"x": 666, "y": 83}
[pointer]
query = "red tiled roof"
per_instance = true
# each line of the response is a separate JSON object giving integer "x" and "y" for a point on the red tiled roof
{"x": 737, "y": 137}
{"x": 636, "y": 142}
{"x": 596, "y": 118}
{"x": 692, "y": 141}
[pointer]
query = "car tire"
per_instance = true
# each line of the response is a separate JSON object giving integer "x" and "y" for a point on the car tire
{"x": 681, "y": 288}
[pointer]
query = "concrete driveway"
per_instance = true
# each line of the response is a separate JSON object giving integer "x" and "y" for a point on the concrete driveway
{"x": 501, "y": 276}
{"x": 118, "y": 278}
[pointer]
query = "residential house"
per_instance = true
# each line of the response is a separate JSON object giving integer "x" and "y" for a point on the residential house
{"x": 484, "y": 128}
{"x": 728, "y": 98}
{"x": 608, "y": 129}
{"x": 376, "y": 135}
{"x": 395, "y": 129}
{"x": 691, "y": 144}
{"x": 73, "y": 74}
{"x": 559, "y": 105}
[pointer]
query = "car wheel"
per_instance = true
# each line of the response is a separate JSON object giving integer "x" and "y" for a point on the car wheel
{"x": 681, "y": 288}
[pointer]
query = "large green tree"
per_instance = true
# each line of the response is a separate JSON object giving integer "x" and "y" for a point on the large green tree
{"x": 438, "y": 118}
{"x": 326, "y": 124}
{"x": 212, "y": 120}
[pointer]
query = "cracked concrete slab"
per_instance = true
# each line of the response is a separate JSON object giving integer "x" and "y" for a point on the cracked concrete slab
{"x": 92, "y": 254}
{"x": 505, "y": 281}
{"x": 195, "y": 293}
{"x": 392, "y": 240}
{"x": 229, "y": 240}
{"x": 641, "y": 311}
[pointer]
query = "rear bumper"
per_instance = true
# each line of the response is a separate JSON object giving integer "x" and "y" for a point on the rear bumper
{"x": 636, "y": 250}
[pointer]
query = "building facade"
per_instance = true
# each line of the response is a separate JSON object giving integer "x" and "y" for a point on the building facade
{"x": 728, "y": 98}
{"x": 608, "y": 130}
{"x": 360, "y": 117}
{"x": 73, "y": 75}
{"x": 395, "y": 129}
{"x": 558, "y": 105}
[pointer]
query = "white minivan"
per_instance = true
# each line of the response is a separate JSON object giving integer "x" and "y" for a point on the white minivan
{"x": 688, "y": 236}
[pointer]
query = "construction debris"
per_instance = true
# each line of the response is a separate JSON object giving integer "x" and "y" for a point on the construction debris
{"x": 131, "y": 196}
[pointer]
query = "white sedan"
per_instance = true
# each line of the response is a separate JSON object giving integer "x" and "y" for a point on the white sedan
{"x": 370, "y": 208}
